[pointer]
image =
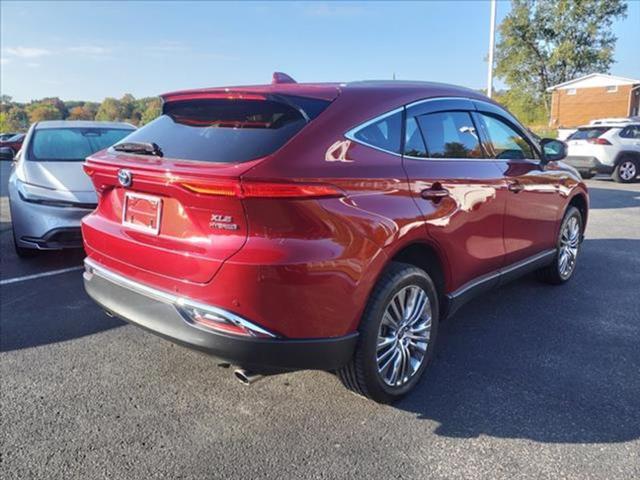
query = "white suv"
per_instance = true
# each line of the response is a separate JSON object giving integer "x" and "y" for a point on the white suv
{"x": 606, "y": 146}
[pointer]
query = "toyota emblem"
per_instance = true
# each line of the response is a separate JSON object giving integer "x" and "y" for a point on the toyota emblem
{"x": 124, "y": 177}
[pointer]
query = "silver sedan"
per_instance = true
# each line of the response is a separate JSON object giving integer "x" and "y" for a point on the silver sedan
{"x": 49, "y": 193}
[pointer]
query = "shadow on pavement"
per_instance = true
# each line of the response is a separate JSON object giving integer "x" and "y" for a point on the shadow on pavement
{"x": 40, "y": 312}
{"x": 604, "y": 198}
{"x": 550, "y": 364}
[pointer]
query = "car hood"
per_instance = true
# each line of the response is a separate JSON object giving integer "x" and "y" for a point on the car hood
{"x": 63, "y": 176}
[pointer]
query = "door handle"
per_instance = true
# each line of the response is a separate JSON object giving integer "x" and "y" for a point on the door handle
{"x": 515, "y": 187}
{"x": 436, "y": 192}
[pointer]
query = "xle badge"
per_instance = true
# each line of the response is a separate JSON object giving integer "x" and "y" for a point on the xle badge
{"x": 222, "y": 222}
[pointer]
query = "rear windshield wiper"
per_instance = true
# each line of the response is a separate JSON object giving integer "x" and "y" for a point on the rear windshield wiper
{"x": 142, "y": 148}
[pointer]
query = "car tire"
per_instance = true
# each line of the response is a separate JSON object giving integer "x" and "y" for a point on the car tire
{"x": 568, "y": 248}
{"x": 587, "y": 175}
{"x": 21, "y": 251}
{"x": 409, "y": 355}
{"x": 626, "y": 170}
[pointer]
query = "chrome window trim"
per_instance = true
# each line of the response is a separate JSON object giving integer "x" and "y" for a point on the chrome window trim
{"x": 93, "y": 268}
{"x": 350, "y": 134}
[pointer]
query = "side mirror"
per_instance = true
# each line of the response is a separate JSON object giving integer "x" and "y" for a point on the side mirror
{"x": 6, "y": 153}
{"x": 552, "y": 150}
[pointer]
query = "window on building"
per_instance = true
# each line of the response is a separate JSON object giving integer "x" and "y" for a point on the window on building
{"x": 571, "y": 91}
{"x": 612, "y": 89}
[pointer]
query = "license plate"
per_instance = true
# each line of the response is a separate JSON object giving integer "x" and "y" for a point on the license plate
{"x": 142, "y": 212}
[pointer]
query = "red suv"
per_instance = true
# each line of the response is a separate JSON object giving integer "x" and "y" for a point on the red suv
{"x": 325, "y": 226}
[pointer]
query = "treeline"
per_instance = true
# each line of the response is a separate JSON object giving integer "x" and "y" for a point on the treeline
{"x": 16, "y": 116}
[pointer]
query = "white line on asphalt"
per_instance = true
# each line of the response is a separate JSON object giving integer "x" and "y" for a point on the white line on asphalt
{"x": 39, "y": 275}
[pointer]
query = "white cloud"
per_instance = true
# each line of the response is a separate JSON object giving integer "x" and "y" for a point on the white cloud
{"x": 27, "y": 52}
{"x": 4, "y": 61}
{"x": 89, "y": 50}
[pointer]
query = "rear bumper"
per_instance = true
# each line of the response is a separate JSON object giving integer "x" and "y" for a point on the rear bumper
{"x": 157, "y": 311}
{"x": 588, "y": 164}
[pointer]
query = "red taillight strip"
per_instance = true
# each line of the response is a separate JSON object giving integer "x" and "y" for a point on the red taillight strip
{"x": 258, "y": 189}
{"x": 599, "y": 141}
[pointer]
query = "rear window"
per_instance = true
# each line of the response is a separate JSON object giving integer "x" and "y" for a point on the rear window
{"x": 226, "y": 131}
{"x": 587, "y": 133}
{"x": 72, "y": 144}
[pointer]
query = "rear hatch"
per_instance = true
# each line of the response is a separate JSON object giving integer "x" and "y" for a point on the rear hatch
{"x": 171, "y": 192}
{"x": 581, "y": 141}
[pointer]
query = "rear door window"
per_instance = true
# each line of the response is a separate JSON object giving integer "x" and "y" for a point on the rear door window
{"x": 450, "y": 135}
{"x": 224, "y": 130}
{"x": 72, "y": 144}
{"x": 414, "y": 142}
{"x": 632, "y": 131}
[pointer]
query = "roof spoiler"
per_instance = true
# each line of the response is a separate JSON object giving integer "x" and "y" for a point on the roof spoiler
{"x": 279, "y": 77}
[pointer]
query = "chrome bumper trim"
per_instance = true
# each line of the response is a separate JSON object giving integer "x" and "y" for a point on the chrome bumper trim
{"x": 93, "y": 268}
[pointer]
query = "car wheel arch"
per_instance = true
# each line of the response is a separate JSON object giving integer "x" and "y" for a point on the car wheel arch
{"x": 626, "y": 154}
{"x": 427, "y": 257}
{"x": 579, "y": 200}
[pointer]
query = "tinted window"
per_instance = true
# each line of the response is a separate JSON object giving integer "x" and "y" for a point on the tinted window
{"x": 72, "y": 144}
{"x": 586, "y": 133}
{"x": 450, "y": 135}
{"x": 223, "y": 130}
{"x": 506, "y": 142}
{"x": 384, "y": 133}
{"x": 414, "y": 143}
{"x": 631, "y": 132}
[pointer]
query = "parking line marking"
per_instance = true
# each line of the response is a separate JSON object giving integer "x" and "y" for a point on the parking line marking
{"x": 40, "y": 275}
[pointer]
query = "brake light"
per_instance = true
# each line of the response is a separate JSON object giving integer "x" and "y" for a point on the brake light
{"x": 258, "y": 189}
{"x": 599, "y": 141}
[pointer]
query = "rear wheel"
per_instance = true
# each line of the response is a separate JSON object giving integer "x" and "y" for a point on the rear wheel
{"x": 626, "y": 171}
{"x": 568, "y": 247}
{"x": 397, "y": 335}
{"x": 587, "y": 175}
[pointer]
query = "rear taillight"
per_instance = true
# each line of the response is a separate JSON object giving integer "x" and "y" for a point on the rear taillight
{"x": 599, "y": 141}
{"x": 260, "y": 189}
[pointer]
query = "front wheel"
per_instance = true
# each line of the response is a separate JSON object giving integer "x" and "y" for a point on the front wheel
{"x": 626, "y": 171}
{"x": 568, "y": 248}
{"x": 397, "y": 335}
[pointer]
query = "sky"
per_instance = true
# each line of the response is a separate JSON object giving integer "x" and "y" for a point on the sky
{"x": 91, "y": 50}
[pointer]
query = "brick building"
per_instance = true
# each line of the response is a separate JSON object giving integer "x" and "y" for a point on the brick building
{"x": 579, "y": 101}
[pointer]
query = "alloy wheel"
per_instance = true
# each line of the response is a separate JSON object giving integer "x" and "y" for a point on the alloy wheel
{"x": 569, "y": 242}
{"x": 628, "y": 170}
{"x": 403, "y": 336}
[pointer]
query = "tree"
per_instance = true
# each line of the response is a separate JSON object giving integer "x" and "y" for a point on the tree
{"x": 43, "y": 111}
{"x": 80, "y": 113}
{"x": 544, "y": 43}
{"x": 111, "y": 110}
{"x": 152, "y": 110}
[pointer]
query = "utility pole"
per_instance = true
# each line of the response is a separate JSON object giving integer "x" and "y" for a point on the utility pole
{"x": 492, "y": 41}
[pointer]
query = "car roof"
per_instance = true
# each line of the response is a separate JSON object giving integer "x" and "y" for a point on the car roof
{"x": 81, "y": 124}
{"x": 380, "y": 89}
{"x": 608, "y": 125}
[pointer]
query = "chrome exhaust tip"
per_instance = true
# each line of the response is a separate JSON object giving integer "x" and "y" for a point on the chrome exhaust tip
{"x": 246, "y": 377}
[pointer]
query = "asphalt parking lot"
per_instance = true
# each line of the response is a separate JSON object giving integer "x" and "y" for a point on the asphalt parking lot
{"x": 530, "y": 381}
